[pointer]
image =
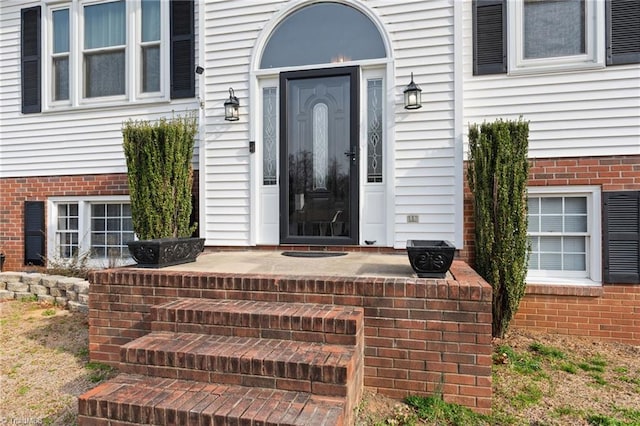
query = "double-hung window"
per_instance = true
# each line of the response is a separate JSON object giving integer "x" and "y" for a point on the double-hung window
{"x": 107, "y": 51}
{"x": 97, "y": 227}
{"x": 60, "y": 54}
{"x": 564, "y": 234}
{"x": 84, "y": 53}
{"x": 150, "y": 46}
{"x": 67, "y": 230}
{"x": 104, "y": 49}
{"x": 534, "y": 36}
{"x": 555, "y": 34}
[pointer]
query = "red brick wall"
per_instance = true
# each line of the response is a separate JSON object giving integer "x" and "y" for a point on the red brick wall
{"x": 613, "y": 173}
{"x": 611, "y": 312}
{"x": 15, "y": 191}
{"x": 418, "y": 333}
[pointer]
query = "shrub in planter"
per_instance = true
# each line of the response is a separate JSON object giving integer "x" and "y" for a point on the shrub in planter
{"x": 160, "y": 176}
{"x": 497, "y": 174}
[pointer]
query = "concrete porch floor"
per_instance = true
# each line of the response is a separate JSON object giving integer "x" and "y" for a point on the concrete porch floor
{"x": 351, "y": 264}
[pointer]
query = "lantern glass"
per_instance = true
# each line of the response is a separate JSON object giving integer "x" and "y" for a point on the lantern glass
{"x": 411, "y": 99}
{"x": 412, "y": 96}
{"x": 230, "y": 112}
{"x": 231, "y": 107}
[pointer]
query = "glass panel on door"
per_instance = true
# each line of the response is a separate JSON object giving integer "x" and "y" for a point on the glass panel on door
{"x": 321, "y": 161}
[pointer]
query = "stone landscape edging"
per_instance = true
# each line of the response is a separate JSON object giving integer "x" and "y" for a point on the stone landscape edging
{"x": 68, "y": 292}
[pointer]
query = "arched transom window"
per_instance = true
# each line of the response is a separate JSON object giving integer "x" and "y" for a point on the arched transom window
{"x": 323, "y": 33}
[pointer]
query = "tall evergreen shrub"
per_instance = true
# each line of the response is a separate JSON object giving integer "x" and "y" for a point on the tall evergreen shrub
{"x": 497, "y": 175}
{"x": 160, "y": 175}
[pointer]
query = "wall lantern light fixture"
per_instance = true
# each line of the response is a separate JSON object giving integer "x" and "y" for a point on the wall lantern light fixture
{"x": 412, "y": 96}
{"x": 231, "y": 106}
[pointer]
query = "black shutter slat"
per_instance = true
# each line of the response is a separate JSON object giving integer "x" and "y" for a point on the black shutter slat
{"x": 182, "y": 49}
{"x": 489, "y": 37}
{"x": 34, "y": 233}
{"x": 623, "y": 32}
{"x": 30, "y": 59}
{"x": 621, "y": 237}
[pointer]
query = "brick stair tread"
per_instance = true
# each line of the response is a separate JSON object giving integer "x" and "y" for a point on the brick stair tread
{"x": 321, "y": 318}
{"x": 140, "y": 400}
{"x": 310, "y": 361}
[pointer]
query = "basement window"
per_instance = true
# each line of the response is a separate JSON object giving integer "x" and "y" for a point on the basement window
{"x": 564, "y": 235}
{"x": 96, "y": 226}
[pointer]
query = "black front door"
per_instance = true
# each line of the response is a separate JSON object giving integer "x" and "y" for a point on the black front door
{"x": 319, "y": 156}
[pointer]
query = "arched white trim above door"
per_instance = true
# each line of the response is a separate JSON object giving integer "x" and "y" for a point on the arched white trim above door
{"x": 296, "y": 5}
{"x": 257, "y": 79}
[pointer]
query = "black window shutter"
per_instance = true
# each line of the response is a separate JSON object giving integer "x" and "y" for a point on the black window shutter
{"x": 621, "y": 237}
{"x": 34, "y": 233}
{"x": 182, "y": 49}
{"x": 489, "y": 37}
{"x": 30, "y": 59}
{"x": 623, "y": 32}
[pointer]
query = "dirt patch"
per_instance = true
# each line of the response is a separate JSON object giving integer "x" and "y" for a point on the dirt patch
{"x": 43, "y": 358}
{"x": 567, "y": 381}
{"x": 562, "y": 380}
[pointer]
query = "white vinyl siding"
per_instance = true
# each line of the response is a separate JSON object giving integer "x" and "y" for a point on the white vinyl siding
{"x": 72, "y": 141}
{"x": 579, "y": 113}
{"x": 423, "y": 179}
{"x": 425, "y": 154}
{"x": 230, "y": 30}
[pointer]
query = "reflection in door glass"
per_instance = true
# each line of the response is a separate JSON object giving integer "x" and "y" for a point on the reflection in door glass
{"x": 319, "y": 156}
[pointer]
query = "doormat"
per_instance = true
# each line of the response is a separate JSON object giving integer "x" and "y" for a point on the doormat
{"x": 313, "y": 253}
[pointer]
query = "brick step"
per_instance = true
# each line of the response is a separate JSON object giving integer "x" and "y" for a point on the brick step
{"x": 318, "y": 368}
{"x": 271, "y": 320}
{"x": 137, "y": 400}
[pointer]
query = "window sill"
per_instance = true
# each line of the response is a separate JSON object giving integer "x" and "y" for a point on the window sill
{"x": 551, "y": 69}
{"x": 114, "y": 105}
{"x": 583, "y": 290}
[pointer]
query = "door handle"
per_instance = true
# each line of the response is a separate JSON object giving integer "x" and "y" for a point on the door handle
{"x": 352, "y": 154}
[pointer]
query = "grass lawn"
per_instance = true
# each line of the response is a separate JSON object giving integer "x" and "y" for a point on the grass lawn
{"x": 538, "y": 379}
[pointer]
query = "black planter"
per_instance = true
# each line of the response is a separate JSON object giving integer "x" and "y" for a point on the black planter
{"x": 163, "y": 252}
{"x": 430, "y": 259}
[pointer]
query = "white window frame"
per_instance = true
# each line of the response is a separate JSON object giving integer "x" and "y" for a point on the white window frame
{"x": 593, "y": 274}
{"x": 84, "y": 227}
{"x": 50, "y": 78}
{"x": 133, "y": 57}
{"x": 163, "y": 43}
{"x": 593, "y": 58}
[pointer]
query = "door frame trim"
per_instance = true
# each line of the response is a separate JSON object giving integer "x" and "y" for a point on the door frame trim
{"x": 354, "y": 134}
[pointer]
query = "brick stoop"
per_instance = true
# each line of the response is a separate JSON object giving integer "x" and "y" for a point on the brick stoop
{"x": 229, "y": 362}
{"x": 140, "y": 400}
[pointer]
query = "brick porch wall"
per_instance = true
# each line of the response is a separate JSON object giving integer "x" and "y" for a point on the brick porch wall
{"x": 419, "y": 333}
{"x": 610, "y": 312}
